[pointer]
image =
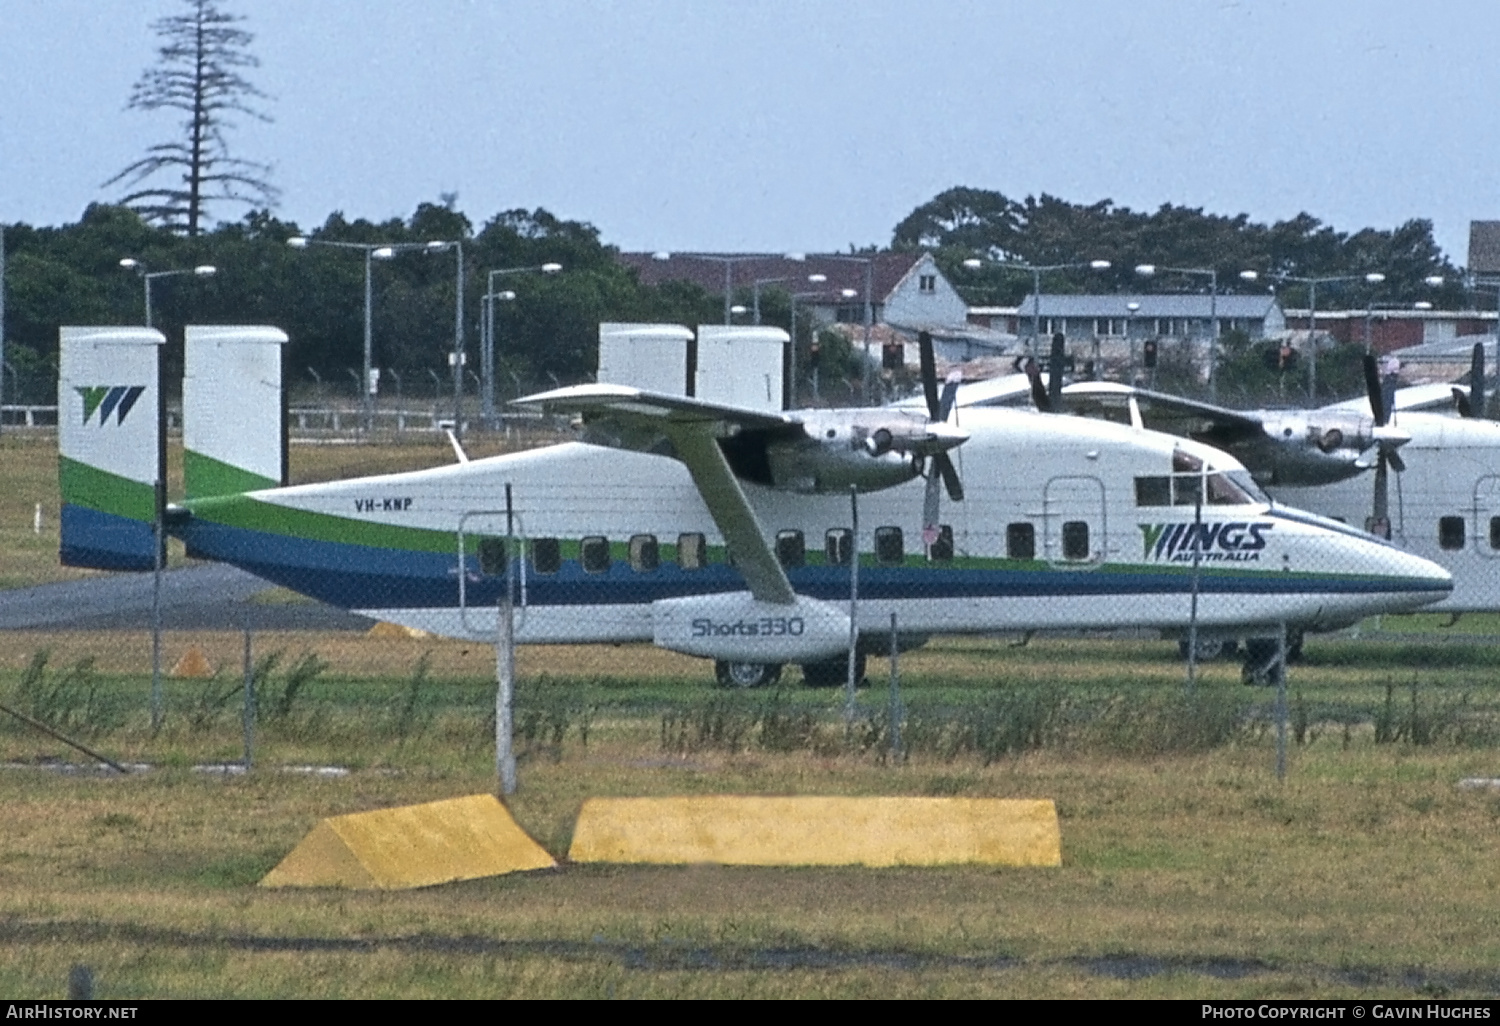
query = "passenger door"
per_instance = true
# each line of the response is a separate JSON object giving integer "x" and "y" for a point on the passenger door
{"x": 1075, "y": 532}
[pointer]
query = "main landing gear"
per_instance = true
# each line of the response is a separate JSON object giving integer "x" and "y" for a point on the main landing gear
{"x": 1260, "y": 667}
{"x": 746, "y": 675}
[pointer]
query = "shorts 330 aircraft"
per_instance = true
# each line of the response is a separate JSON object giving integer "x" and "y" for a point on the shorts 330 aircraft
{"x": 733, "y": 537}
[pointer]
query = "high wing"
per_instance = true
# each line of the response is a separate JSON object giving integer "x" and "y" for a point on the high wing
{"x": 694, "y": 429}
{"x": 1435, "y": 397}
{"x": 1206, "y": 422}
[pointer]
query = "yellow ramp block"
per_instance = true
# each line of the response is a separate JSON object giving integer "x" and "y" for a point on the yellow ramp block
{"x": 818, "y": 831}
{"x": 192, "y": 664}
{"x": 411, "y": 846}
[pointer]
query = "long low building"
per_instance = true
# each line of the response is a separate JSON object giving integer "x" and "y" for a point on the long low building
{"x": 1135, "y": 316}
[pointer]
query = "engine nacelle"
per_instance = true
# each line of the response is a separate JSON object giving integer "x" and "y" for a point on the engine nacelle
{"x": 735, "y": 627}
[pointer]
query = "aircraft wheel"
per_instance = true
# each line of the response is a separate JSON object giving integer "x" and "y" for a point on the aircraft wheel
{"x": 1294, "y": 638}
{"x": 746, "y": 675}
{"x": 1260, "y": 662}
{"x": 1209, "y": 649}
{"x": 832, "y": 673}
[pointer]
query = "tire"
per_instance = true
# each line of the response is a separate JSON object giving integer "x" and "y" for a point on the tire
{"x": 832, "y": 673}
{"x": 746, "y": 675}
{"x": 1209, "y": 649}
{"x": 1260, "y": 662}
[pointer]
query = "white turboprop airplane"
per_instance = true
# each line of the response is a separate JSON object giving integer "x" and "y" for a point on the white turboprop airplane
{"x": 1445, "y": 503}
{"x": 734, "y": 538}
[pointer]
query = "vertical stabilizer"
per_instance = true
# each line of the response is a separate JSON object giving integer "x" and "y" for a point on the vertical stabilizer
{"x": 742, "y": 366}
{"x": 233, "y": 419}
{"x": 111, "y": 446}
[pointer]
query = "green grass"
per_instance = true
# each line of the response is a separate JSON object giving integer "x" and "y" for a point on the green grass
{"x": 1188, "y": 870}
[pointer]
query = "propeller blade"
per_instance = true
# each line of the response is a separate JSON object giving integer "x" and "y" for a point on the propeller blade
{"x": 1476, "y": 382}
{"x": 1039, "y": 397}
{"x": 950, "y": 393}
{"x": 1372, "y": 389}
{"x": 929, "y": 374}
{"x": 930, "y": 500}
{"x": 1382, "y": 493}
{"x": 943, "y": 464}
{"x": 1055, "y": 371}
{"x": 1461, "y": 402}
{"x": 1394, "y": 459}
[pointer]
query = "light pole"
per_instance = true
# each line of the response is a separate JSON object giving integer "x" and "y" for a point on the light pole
{"x": 1373, "y": 278}
{"x": 456, "y": 357}
{"x": 1150, "y": 271}
{"x": 487, "y": 346}
{"x": 1133, "y": 308}
{"x": 371, "y": 250}
{"x": 1036, "y": 271}
{"x": 728, "y": 261}
{"x": 869, "y": 263}
{"x": 132, "y": 264}
{"x": 815, "y": 279}
{"x": 755, "y": 289}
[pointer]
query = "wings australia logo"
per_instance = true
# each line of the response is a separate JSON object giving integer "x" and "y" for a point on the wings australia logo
{"x": 108, "y": 400}
{"x": 1233, "y": 542}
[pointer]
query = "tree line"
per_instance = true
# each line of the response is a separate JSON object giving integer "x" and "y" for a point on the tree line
{"x": 71, "y": 274}
{"x": 965, "y": 224}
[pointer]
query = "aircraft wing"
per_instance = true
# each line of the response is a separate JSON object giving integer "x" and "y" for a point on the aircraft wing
{"x": 1172, "y": 414}
{"x": 1437, "y": 397}
{"x": 653, "y": 409}
{"x": 694, "y": 428}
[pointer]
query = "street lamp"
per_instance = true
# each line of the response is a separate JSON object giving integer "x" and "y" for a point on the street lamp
{"x": 815, "y": 279}
{"x": 1150, "y": 271}
{"x": 132, "y": 264}
{"x": 869, "y": 263}
{"x": 728, "y": 262}
{"x": 455, "y": 358}
{"x": 1373, "y": 278}
{"x": 1036, "y": 271}
{"x": 487, "y": 344}
{"x": 380, "y": 250}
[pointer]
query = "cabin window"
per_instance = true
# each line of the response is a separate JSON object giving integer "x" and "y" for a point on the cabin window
{"x": 595, "y": 554}
{"x": 546, "y": 555}
{"x": 791, "y": 550}
{"x": 645, "y": 554}
{"x": 1153, "y": 491}
{"x": 890, "y": 550}
{"x": 1020, "y": 541}
{"x": 1495, "y": 532}
{"x": 941, "y": 549}
{"x": 692, "y": 551}
{"x": 838, "y": 546}
{"x": 492, "y": 556}
{"x": 1075, "y": 539}
{"x": 1186, "y": 488}
{"x": 1451, "y": 532}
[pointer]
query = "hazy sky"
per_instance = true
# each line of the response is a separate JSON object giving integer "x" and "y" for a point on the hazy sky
{"x": 794, "y": 124}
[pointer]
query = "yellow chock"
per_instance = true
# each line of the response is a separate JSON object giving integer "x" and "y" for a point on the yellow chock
{"x": 192, "y": 664}
{"x": 386, "y": 629}
{"x": 411, "y": 846}
{"x": 818, "y": 831}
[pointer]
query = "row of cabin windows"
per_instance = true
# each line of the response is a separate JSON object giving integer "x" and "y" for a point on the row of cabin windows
{"x": 692, "y": 550}
{"x": 1020, "y": 540}
{"x": 1451, "y": 532}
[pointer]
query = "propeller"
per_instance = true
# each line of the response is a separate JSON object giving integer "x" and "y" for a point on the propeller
{"x": 1039, "y": 396}
{"x": 1381, "y": 454}
{"x": 1473, "y": 404}
{"x": 939, "y": 406}
{"x": 1055, "y": 370}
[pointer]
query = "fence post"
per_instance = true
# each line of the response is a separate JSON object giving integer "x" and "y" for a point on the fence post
{"x": 850, "y": 682}
{"x": 1280, "y": 701}
{"x": 895, "y": 710}
{"x": 248, "y": 716}
{"x": 505, "y": 663}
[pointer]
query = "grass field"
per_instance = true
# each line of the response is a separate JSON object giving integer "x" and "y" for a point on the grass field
{"x": 1188, "y": 870}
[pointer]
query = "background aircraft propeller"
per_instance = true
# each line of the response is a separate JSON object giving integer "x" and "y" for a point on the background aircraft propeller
{"x": 940, "y": 467}
{"x": 1472, "y": 403}
{"x": 1382, "y": 452}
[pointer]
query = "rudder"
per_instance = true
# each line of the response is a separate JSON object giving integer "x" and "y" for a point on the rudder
{"x": 233, "y": 414}
{"x": 111, "y": 446}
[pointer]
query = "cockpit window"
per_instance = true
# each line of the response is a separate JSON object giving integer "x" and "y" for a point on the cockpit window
{"x": 1185, "y": 463}
{"x": 1225, "y": 491}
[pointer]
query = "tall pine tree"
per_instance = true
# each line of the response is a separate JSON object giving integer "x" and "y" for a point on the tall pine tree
{"x": 198, "y": 72}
